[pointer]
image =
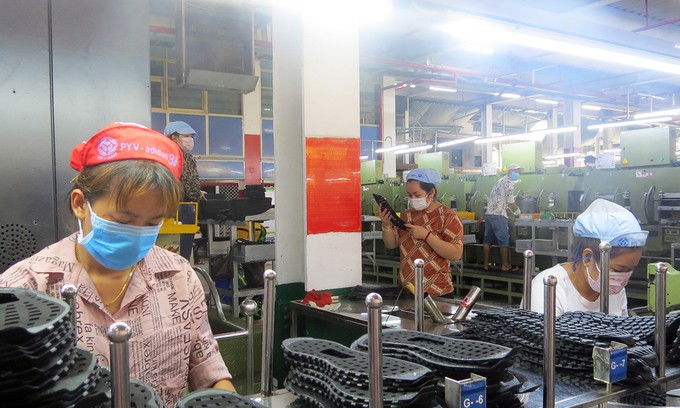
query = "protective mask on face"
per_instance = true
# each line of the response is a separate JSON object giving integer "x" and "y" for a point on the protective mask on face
{"x": 514, "y": 176}
{"x": 188, "y": 143}
{"x": 117, "y": 246}
{"x": 418, "y": 204}
{"x": 617, "y": 280}
{"x": 594, "y": 283}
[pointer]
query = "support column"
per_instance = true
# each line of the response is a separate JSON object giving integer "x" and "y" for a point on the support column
{"x": 388, "y": 125}
{"x": 316, "y": 148}
{"x": 572, "y": 117}
{"x": 550, "y": 142}
{"x": 252, "y": 131}
{"x": 487, "y": 131}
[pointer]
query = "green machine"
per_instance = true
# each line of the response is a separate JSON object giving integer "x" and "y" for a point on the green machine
{"x": 529, "y": 155}
{"x": 368, "y": 204}
{"x": 451, "y": 192}
{"x": 371, "y": 171}
{"x": 439, "y": 161}
{"x": 648, "y": 147}
{"x": 554, "y": 191}
{"x": 672, "y": 287}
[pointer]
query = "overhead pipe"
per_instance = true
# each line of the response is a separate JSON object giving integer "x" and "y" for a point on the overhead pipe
{"x": 458, "y": 72}
{"x": 493, "y": 78}
{"x": 649, "y": 27}
{"x": 404, "y": 84}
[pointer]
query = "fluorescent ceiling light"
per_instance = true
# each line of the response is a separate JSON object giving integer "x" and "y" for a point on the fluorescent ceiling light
{"x": 613, "y": 151}
{"x": 413, "y": 149}
{"x": 363, "y": 157}
{"x": 535, "y": 135}
{"x": 391, "y": 148}
{"x": 659, "y": 98}
{"x": 670, "y": 112}
{"x": 629, "y": 122}
{"x": 519, "y": 136}
{"x": 591, "y": 107}
{"x": 559, "y": 130}
{"x": 479, "y": 49}
{"x": 457, "y": 141}
{"x": 487, "y": 31}
{"x": 561, "y": 156}
{"x": 442, "y": 89}
{"x": 510, "y": 95}
{"x": 549, "y": 162}
{"x": 547, "y": 101}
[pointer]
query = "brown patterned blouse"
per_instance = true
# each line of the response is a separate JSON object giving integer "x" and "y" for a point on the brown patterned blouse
{"x": 189, "y": 178}
{"x": 445, "y": 224}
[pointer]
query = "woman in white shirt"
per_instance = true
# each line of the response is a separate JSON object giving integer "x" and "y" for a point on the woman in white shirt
{"x": 578, "y": 282}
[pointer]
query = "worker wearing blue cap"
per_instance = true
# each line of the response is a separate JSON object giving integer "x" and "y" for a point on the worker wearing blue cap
{"x": 183, "y": 134}
{"x": 434, "y": 233}
{"x": 578, "y": 282}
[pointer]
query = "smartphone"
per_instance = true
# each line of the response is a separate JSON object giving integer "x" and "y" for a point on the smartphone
{"x": 396, "y": 221}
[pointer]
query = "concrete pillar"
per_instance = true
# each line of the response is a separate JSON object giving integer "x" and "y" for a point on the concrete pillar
{"x": 388, "y": 125}
{"x": 572, "y": 117}
{"x": 316, "y": 148}
{"x": 487, "y": 131}
{"x": 550, "y": 142}
{"x": 252, "y": 131}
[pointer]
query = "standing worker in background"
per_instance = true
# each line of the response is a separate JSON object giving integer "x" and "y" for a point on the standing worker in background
{"x": 434, "y": 234}
{"x": 120, "y": 198}
{"x": 578, "y": 282}
{"x": 183, "y": 134}
{"x": 501, "y": 199}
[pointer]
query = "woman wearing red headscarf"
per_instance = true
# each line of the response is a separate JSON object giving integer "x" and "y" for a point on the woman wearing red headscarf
{"x": 127, "y": 184}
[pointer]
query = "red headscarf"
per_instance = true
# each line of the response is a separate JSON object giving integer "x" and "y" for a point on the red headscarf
{"x": 128, "y": 141}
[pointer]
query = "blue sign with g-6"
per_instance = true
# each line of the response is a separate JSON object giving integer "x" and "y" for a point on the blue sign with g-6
{"x": 473, "y": 394}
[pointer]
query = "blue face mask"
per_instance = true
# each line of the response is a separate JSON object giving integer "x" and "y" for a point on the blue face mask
{"x": 117, "y": 246}
{"x": 514, "y": 176}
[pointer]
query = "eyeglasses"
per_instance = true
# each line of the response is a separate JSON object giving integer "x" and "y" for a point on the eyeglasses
{"x": 180, "y": 135}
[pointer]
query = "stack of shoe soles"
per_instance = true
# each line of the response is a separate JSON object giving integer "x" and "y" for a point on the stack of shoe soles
{"x": 327, "y": 374}
{"x": 575, "y": 335}
{"x": 141, "y": 394}
{"x": 457, "y": 359}
{"x": 214, "y": 398}
{"x": 40, "y": 365}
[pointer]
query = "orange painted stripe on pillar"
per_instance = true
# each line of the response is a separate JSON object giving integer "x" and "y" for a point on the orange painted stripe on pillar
{"x": 253, "y": 159}
{"x": 333, "y": 185}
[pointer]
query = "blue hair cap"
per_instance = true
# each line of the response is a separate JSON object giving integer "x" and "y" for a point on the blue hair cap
{"x": 425, "y": 175}
{"x": 610, "y": 222}
{"x": 178, "y": 127}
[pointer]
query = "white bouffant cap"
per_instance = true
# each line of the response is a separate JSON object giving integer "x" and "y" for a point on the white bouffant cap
{"x": 610, "y": 222}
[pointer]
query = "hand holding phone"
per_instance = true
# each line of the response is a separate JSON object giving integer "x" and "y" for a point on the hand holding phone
{"x": 383, "y": 204}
